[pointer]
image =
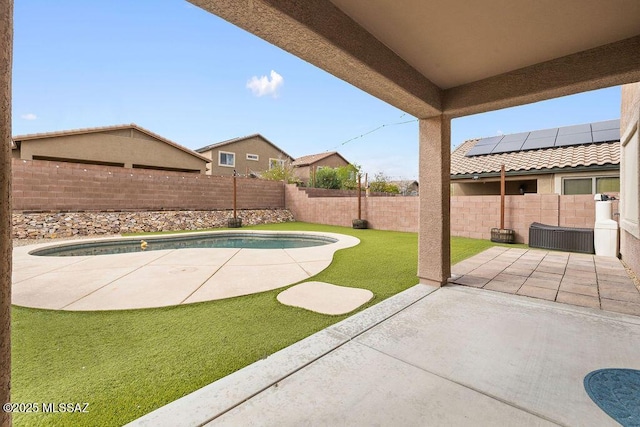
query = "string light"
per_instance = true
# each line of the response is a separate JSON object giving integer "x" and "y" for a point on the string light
{"x": 376, "y": 129}
{"x": 392, "y": 178}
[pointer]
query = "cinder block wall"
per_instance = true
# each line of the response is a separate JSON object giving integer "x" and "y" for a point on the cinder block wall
{"x": 40, "y": 185}
{"x": 474, "y": 216}
{"x": 323, "y": 207}
{"x": 471, "y": 216}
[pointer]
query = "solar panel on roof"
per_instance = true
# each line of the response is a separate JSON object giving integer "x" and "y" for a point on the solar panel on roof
{"x": 609, "y": 124}
{"x": 545, "y": 133}
{"x": 479, "y": 150}
{"x": 574, "y": 139}
{"x": 569, "y": 130}
{"x": 606, "y": 135}
{"x": 606, "y": 131}
{"x": 516, "y": 137}
{"x": 511, "y": 143}
{"x": 508, "y": 147}
{"x": 537, "y": 143}
{"x": 490, "y": 140}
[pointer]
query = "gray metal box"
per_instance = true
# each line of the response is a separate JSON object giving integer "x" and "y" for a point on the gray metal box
{"x": 561, "y": 238}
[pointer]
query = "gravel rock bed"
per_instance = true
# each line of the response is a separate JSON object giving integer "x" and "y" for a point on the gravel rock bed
{"x": 48, "y": 225}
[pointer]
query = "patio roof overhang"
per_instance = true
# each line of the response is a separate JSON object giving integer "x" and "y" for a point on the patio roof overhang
{"x": 434, "y": 60}
{"x": 458, "y": 57}
{"x": 440, "y": 60}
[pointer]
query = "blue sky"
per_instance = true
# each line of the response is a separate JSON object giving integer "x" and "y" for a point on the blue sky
{"x": 189, "y": 76}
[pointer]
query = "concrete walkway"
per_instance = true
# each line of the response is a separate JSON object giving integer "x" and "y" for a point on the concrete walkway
{"x": 163, "y": 277}
{"x": 427, "y": 356}
{"x": 570, "y": 278}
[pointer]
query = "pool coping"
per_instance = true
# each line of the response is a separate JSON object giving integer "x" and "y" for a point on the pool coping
{"x": 187, "y": 236}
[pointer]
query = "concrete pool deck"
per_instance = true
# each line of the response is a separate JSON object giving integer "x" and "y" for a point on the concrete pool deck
{"x": 164, "y": 277}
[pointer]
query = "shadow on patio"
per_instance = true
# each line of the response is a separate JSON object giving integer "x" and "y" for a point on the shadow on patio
{"x": 454, "y": 355}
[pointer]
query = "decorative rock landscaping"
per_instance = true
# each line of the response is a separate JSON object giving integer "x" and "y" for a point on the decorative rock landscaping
{"x": 71, "y": 224}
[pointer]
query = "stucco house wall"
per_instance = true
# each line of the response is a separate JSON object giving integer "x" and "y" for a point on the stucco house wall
{"x": 128, "y": 146}
{"x": 630, "y": 131}
{"x": 538, "y": 184}
{"x": 245, "y": 151}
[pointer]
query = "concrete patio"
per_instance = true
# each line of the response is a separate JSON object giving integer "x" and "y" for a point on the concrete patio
{"x": 571, "y": 278}
{"x": 428, "y": 356}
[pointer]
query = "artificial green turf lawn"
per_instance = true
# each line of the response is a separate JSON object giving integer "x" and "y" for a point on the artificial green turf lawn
{"x": 128, "y": 363}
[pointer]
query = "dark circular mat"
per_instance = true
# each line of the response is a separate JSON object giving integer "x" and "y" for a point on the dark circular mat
{"x": 616, "y": 392}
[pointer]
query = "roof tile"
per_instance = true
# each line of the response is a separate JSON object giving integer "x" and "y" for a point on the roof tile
{"x": 312, "y": 158}
{"x": 541, "y": 159}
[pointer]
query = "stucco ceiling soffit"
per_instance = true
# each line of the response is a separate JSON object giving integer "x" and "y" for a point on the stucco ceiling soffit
{"x": 321, "y": 34}
{"x": 609, "y": 65}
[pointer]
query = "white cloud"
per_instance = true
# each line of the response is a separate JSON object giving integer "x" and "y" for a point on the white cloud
{"x": 29, "y": 116}
{"x": 261, "y": 86}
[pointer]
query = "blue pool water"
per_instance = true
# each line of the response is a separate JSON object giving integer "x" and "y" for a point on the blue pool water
{"x": 217, "y": 240}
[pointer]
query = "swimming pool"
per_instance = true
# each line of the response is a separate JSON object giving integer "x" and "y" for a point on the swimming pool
{"x": 217, "y": 240}
{"x": 160, "y": 278}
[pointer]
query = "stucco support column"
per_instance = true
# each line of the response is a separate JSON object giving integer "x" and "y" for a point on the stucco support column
{"x": 6, "y": 48}
{"x": 434, "y": 246}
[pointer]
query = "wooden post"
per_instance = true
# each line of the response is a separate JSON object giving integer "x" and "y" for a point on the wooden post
{"x": 502, "y": 191}
{"x": 359, "y": 196}
{"x": 235, "y": 192}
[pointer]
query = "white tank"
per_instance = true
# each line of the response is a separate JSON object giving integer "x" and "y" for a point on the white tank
{"x": 605, "y": 233}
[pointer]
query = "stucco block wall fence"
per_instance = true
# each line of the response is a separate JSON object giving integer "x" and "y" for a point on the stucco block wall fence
{"x": 45, "y": 185}
{"x": 340, "y": 207}
{"x": 474, "y": 216}
{"x": 58, "y": 199}
{"x": 63, "y": 199}
{"x": 471, "y": 216}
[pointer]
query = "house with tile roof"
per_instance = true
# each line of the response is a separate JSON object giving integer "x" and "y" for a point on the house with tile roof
{"x": 581, "y": 159}
{"x": 407, "y": 187}
{"x": 305, "y": 166}
{"x": 248, "y": 155}
{"x": 128, "y": 146}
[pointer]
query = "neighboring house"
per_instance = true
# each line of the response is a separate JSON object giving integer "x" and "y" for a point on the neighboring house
{"x": 304, "y": 167}
{"x": 128, "y": 146}
{"x": 407, "y": 187}
{"x": 251, "y": 154}
{"x": 582, "y": 159}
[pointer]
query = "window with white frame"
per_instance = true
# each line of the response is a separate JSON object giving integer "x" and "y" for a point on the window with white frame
{"x": 253, "y": 157}
{"x": 227, "y": 159}
{"x": 591, "y": 185}
{"x": 276, "y": 163}
{"x": 629, "y": 203}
